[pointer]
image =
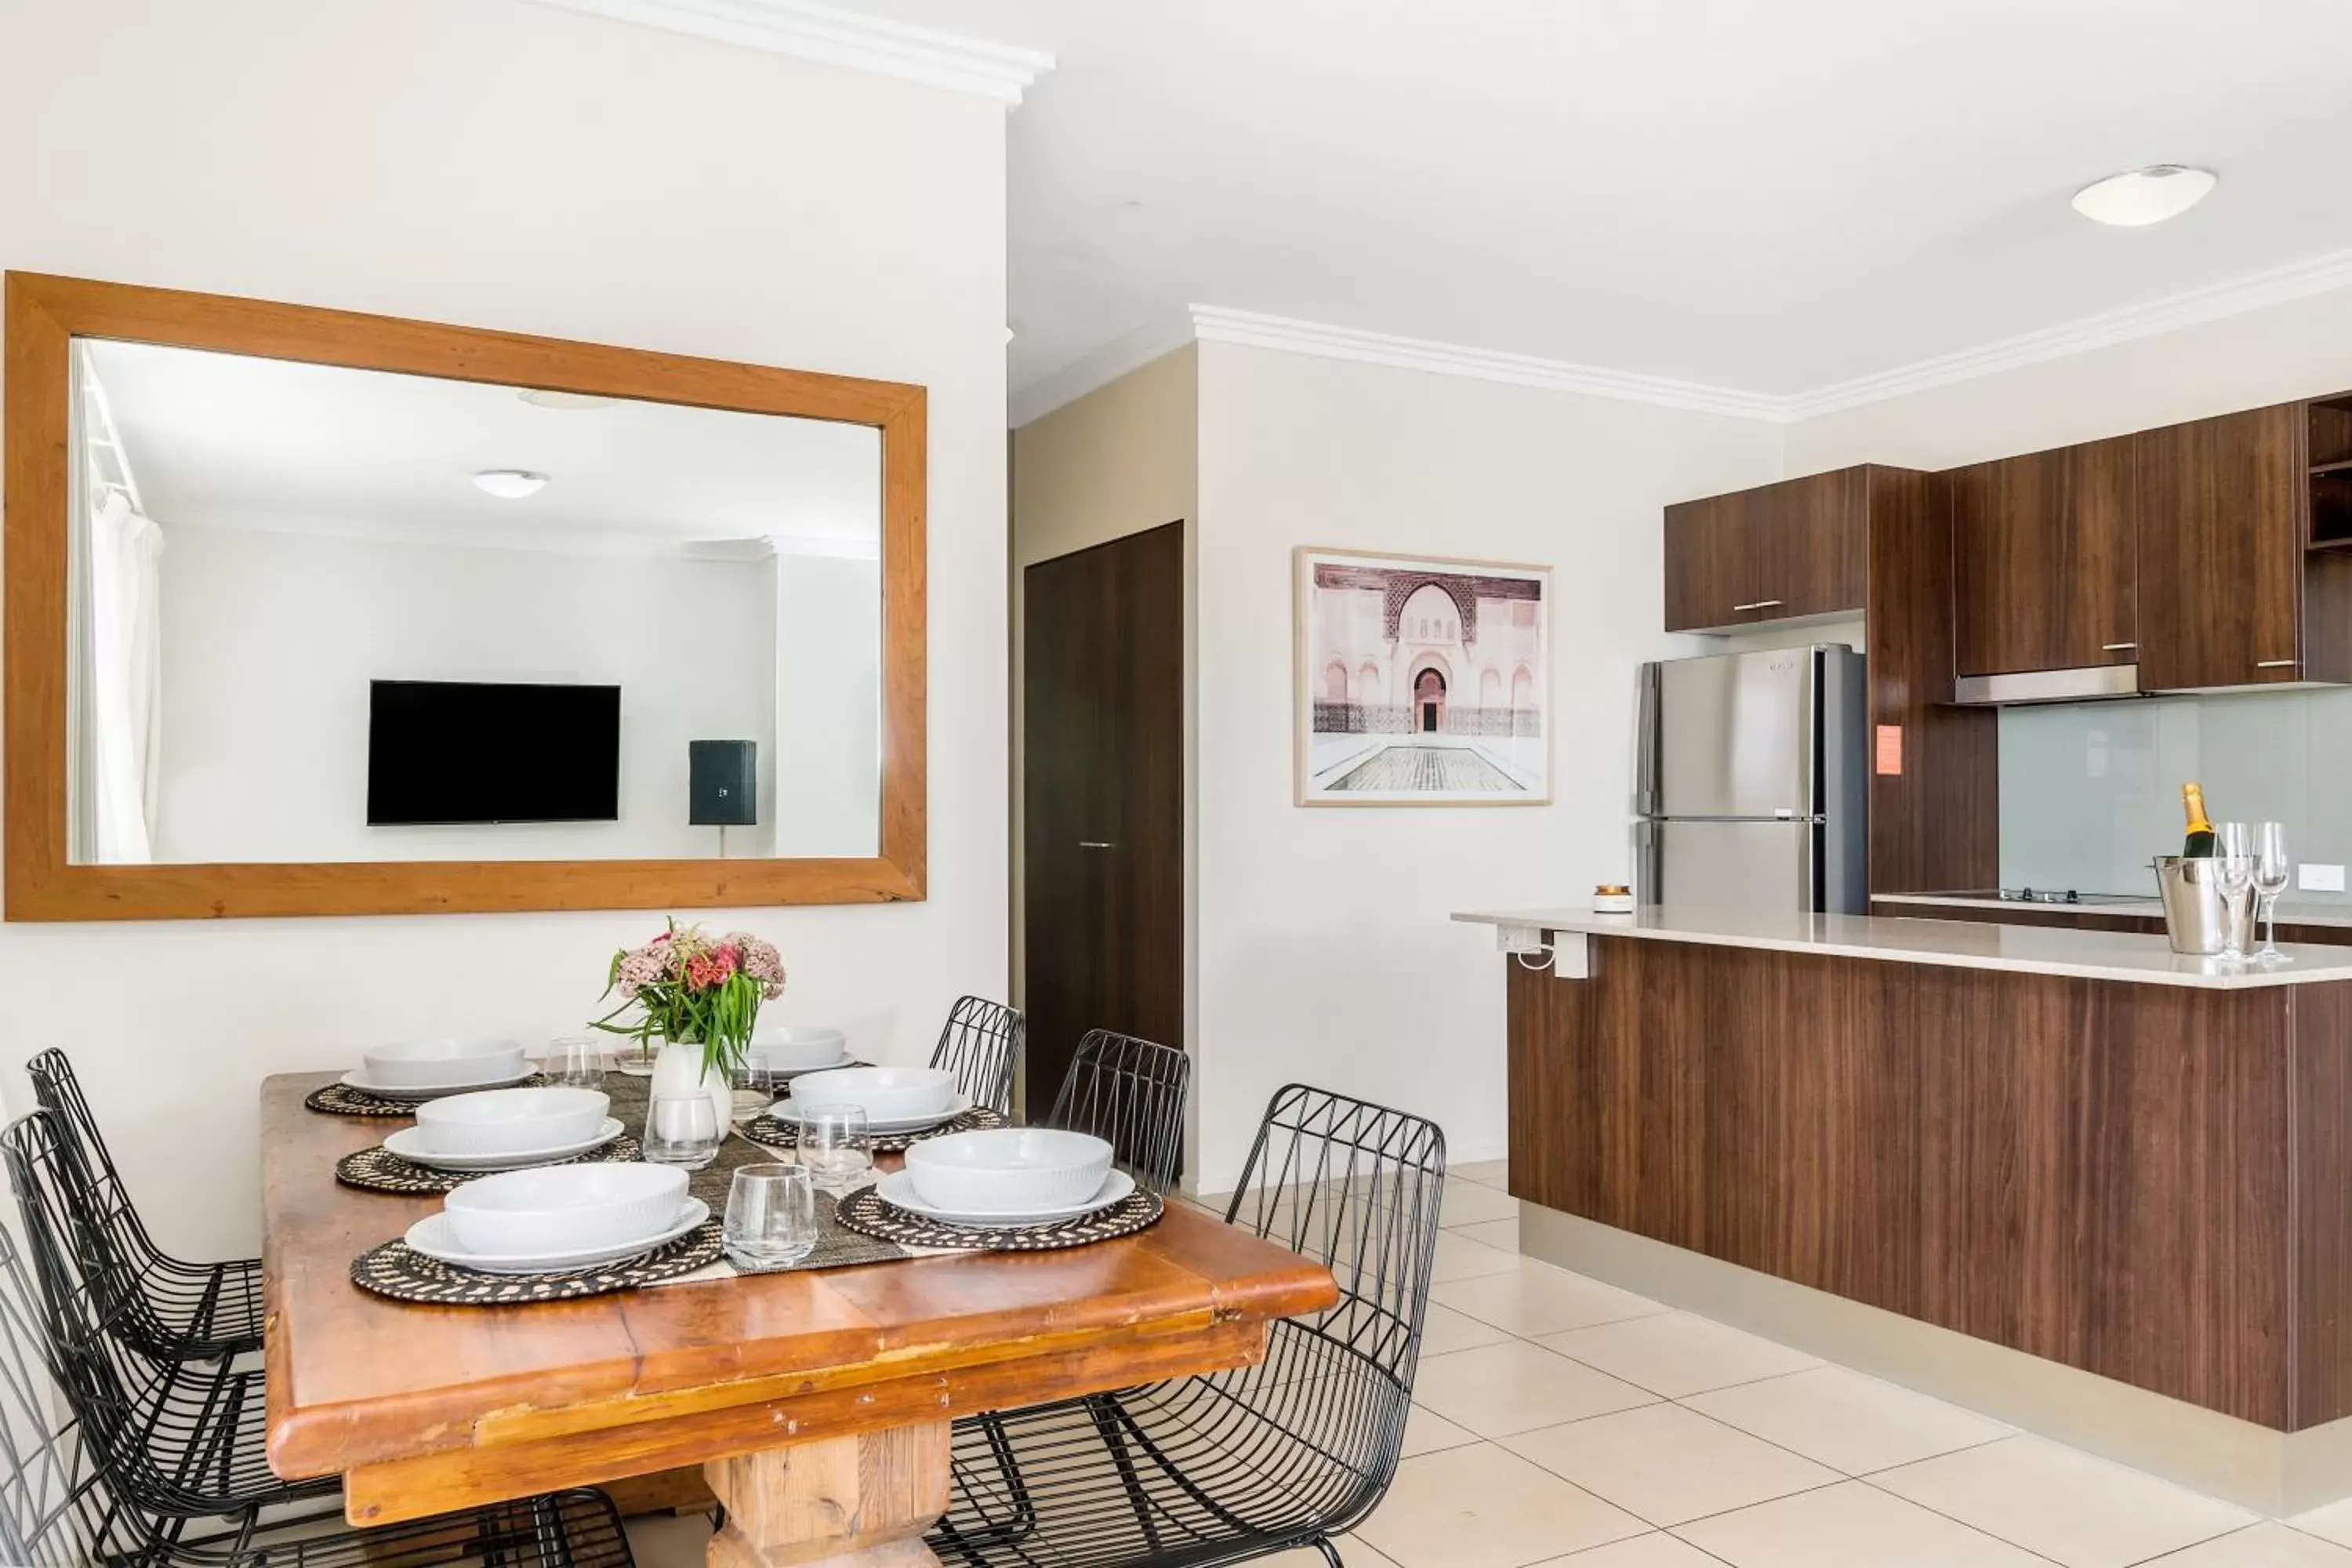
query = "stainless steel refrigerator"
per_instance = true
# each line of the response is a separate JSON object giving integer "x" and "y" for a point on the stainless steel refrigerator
{"x": 1749, "y": 782}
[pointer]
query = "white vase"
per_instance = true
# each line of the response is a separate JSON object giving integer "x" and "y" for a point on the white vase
{"x": 678, "y": 1069}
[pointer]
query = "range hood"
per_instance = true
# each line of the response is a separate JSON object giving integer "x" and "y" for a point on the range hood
{"x": 2089, "y": 683}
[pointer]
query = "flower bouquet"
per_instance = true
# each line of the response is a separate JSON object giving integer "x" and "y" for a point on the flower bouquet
{"x": 690, "y": 989}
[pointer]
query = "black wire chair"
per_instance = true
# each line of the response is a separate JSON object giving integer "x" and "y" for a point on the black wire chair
{"x": 1131, "y": 1093}
{"x": 183, "y": 1439}
{"x": 1289, "y": 1453}
{"x": 62, "y": 1506}
{"x": 980, "y": 1044}
{"x": 172, "y": 1309}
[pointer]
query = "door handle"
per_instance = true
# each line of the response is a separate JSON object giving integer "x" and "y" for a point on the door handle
{"x": 2276, "y": 663}
{"x": 1760, "y": 604}
{"x": 2117, "y": 647}
{"x": 1095, "y": 844}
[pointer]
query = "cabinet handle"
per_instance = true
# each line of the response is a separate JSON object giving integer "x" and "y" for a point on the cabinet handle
{"x": 2117, "y": 647}
{"x": 1759, "y": 605}
{"x": 1095, "y": 844}
{"x": 2276, "y": 663}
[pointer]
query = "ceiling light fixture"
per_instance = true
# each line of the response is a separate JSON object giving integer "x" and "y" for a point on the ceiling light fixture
{"x": 2141, "y": 196}
{"x": 545, "y": 397}
{"x": 511, "y": 484}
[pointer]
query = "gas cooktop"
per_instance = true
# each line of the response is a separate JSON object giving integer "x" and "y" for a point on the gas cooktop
{"x": 2049, "y": 896}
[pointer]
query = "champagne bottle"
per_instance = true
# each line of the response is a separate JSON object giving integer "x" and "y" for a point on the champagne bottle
{"x": 2198, "y": 844}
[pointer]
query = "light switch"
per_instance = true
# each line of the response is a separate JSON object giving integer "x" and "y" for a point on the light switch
{"x": 2319, "y": 878}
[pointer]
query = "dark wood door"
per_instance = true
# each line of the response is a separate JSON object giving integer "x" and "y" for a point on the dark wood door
{"x": 1810, "y": 541}
{"x": 1102, "y": 813}
{"x": 1709, "y": 560}
{"x": 2221, "y": 550}
{"x": 2044, "y": 560}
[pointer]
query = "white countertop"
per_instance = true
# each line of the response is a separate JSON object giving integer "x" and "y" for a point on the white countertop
{"x": 1963, "y": 945}
{"x": 2290, "y": 912}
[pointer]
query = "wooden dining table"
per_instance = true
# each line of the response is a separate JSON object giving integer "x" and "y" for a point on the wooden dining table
{"x": 817, "y": 1401}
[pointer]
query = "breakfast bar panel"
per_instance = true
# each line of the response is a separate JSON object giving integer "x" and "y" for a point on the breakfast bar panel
{"x": 2144, "y": 1181}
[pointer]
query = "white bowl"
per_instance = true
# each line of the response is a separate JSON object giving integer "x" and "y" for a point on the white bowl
{"x": 1008, "y": 1170}
{"x": 791, "y": 1048}
{"x": 888, "y": 1094}
{"x": 564, "y": 1208}
{"x": 438, "y": 1064}
{"x": 510, "y": 1121}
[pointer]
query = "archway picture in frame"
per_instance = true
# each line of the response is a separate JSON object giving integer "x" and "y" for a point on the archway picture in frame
{"x": 1420, "y": 680}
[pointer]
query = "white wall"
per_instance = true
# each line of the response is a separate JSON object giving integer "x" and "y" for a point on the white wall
{"x": 271, "y": 638}
{"x": 505, "y": 165}
{"x": 821, "y": 788}
{"x": 1326, "y": 953}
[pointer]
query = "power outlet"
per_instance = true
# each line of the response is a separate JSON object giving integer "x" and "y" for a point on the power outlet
{"x": 1520, "y": 938}
{"x": 2319, "y": 878}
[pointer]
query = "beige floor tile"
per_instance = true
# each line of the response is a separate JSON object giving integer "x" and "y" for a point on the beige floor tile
{"x": 1678, "y": 1354}
{"x": 1847, "y": 1421}
{"x": 659, "y": 1541}
{"x": 1461, "y": 1258}
{"x": 1502, "y": 1233}
{"x": 1467, "y": 1203}
{"x": 1539, "y": 1300}
{"x": 1425, "y": 1432}
{"x": 1666, "y": 1465}
{"x": 1655, "y": 1549}
{"x": 1849, "y": 1525}
{"x": 2067, "y": 1506}
{"x": 2332, "y": 1521}
{"x": 1492, "y": 1172}
{"x": 2266, "y": 1545}
{"x": 1356, "y": 1554}
{"x": 1444, "y": 1330}
{"x": 1484, "y": 1507}
{"x": 1497, "y": 1390}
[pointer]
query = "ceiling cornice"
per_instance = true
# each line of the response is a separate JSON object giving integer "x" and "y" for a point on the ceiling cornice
{"x": 1210, "y": 323}
{"x": 823, "y": 33}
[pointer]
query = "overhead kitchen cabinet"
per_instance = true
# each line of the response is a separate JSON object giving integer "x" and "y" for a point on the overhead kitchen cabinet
{"x": 2044, "y": 567}
{"x": 1785, "y": 552}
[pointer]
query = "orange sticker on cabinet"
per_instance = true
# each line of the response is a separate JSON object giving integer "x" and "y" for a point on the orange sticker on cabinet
{"x": 1890, "y": 751}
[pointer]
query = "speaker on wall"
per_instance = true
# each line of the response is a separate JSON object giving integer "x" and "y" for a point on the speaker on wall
{"x": 723, "y": 783}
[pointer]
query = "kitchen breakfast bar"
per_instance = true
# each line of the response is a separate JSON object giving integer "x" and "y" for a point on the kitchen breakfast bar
{"x": 2073, "y": 1144}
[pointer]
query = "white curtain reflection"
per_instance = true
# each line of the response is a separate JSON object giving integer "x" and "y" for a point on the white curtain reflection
{"x": 126, "y": 669}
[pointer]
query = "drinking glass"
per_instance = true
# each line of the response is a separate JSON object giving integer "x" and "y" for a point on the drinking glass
{"x": 682, "y": 1130}
{"x": 754, "y": 1087}
{"x": 2272, "y": 870}
{"x": 2234, "y": 866}
{"x": 576, "y": 1062}
{"x": 836, "y": 1146}
{"x": 771, "y": 1216}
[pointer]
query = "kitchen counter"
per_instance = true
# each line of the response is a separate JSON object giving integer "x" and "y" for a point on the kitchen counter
{"x": 2291, "y": 912}
{"x": 1962, "y": 944}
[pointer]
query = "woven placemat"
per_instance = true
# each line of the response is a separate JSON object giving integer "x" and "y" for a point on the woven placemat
{"x": 774, "y": 1134}
{"x": 867, "y": 1210}
{"x": 342, "y": 1099}
{"x": 379, "y": 1170}
{"x": 395, "y": 1272}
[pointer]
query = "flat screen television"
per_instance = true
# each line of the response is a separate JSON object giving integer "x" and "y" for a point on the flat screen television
{"x": 462, "y": 752}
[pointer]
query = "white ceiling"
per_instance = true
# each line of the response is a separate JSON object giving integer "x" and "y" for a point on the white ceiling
{"x": 226, "y": 440}
{"x": 1771, "y": 197}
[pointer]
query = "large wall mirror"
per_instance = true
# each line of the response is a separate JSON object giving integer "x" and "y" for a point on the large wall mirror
{"x": 316, "y": 612}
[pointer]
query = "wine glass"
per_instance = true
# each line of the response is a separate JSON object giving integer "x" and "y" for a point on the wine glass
{"x": 2234, "y": 868}
{"x": 771, "y": 1216}
{"x": 836, "y": 1146}
{"x": 2272, "y": 870}
{"x": 576, "y": 1062}
{"x": 682, "y": 1130}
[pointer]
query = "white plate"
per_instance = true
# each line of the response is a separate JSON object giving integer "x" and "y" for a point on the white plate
{"x": 407, "y": 1141}
{"x": 896, "y": 1188}
{"x": 357, "y": 1078}
{"x": 432, "y": 1238}
{"x": 785, "y": 1111}
{"x": 760, "y": 1063}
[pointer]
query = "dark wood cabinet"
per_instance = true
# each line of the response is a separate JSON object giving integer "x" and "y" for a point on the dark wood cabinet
{"x": 2044, "y": 560}
{"x": 1779, "y": 552}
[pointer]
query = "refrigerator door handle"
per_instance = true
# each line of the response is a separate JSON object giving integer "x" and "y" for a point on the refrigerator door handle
{"x": 1649, "y": 865}
{"x": 1646, "y": 745}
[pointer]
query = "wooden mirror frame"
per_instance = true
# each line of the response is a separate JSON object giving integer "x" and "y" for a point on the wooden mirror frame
{"x": 44, "y": 314}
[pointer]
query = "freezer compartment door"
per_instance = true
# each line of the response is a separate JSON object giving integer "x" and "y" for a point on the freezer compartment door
{"x": 1730, "y": 865}
{"x": 1731, "y": 736}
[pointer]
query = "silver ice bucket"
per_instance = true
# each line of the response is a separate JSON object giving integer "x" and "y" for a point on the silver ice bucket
{"x": 2197, "y": 915}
